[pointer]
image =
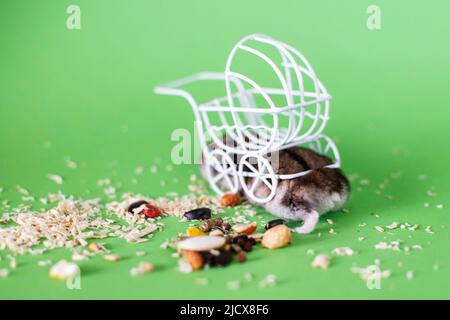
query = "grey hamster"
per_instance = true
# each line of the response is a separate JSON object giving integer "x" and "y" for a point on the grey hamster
{"x": 307, "y": 197}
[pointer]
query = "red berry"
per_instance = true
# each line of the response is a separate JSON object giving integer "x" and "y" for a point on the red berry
{"x": 151, "y": 211}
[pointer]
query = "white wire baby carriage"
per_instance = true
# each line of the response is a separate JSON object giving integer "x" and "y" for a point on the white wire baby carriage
{"x": 259, "y": 116}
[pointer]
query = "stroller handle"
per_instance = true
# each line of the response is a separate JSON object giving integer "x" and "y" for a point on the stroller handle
{"x": 173, "y": 88}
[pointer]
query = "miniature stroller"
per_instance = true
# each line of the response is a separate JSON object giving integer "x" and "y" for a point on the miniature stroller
{"x": 259, "y": 116}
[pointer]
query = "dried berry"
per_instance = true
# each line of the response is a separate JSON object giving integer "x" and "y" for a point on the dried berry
{"x": 241, "y": 256}
{"x": 235, "y": 248}
{"x": 224, "y": 258}
{"x": 274, "y": 223}
{"x": 136, "y": 205}
{"x": 229, "y": 200}
{"x": 209, "y": 258}
{"x": 226, "y": 226}
{"x": 240, "y": 240}
{"x": 150, "y": 211}
{"x": 248, "y": 246}
{"x": 198, "y": 214}
{"x": 245, "y": 228}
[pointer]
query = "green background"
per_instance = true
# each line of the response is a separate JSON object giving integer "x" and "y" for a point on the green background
{"x": 87, "y": 94}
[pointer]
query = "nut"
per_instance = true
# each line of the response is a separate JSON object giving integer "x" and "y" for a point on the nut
{"x": 229, "y": 200}
{"x": 194, "y": 259}
{"x": 276, "y": 237}
{"x": 216, "y": 233}
{"x": 245, "y": 228}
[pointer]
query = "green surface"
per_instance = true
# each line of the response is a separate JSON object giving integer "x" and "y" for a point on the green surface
{"x": 73, "y": 93}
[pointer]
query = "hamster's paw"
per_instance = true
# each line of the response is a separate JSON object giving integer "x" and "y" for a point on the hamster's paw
{"x": 309, "y": 223}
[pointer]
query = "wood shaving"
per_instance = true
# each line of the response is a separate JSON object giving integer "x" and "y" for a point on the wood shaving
{"x": 22, "y": 190}
{"x": 371, "y": 272}
{"x": 44, "y": 263}
{"x": 112, "y": 257}
{"x": 202, "y": 281}
{"x": 55, "y": 178}
{"x": 233, "y": 285}
{"x": 77, "y": 256}
{"x": 321, "y": 261}
{"x": 268, "y": 281}
{"x": 343, "y": 251}
{"x": 248, "y": 276}
{"x": 392, "y": 226}
{"x": 142, "y": 268}
{"x": 184, "y": 267}
{"x": 4, "y": 273}
{"x": 63, "y": 270}
{"x": 393, "y": 245}
{"x": 409, "y": 275}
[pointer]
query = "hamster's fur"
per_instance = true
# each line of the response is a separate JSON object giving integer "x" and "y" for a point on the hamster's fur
{"x": 307, "y": 197}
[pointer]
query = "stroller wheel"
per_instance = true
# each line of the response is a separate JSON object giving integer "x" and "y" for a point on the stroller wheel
{"x": 221, "y": 172}
{"x": 257, "y": 178}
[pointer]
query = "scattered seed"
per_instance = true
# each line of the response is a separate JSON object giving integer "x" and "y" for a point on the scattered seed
{"x": 198, "y": 214}
{"x": 273, "y": 223}
{"x": 379, "y": 229}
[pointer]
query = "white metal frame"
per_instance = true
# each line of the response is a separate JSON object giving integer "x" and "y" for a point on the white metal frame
{"x": 253, "y": 138}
